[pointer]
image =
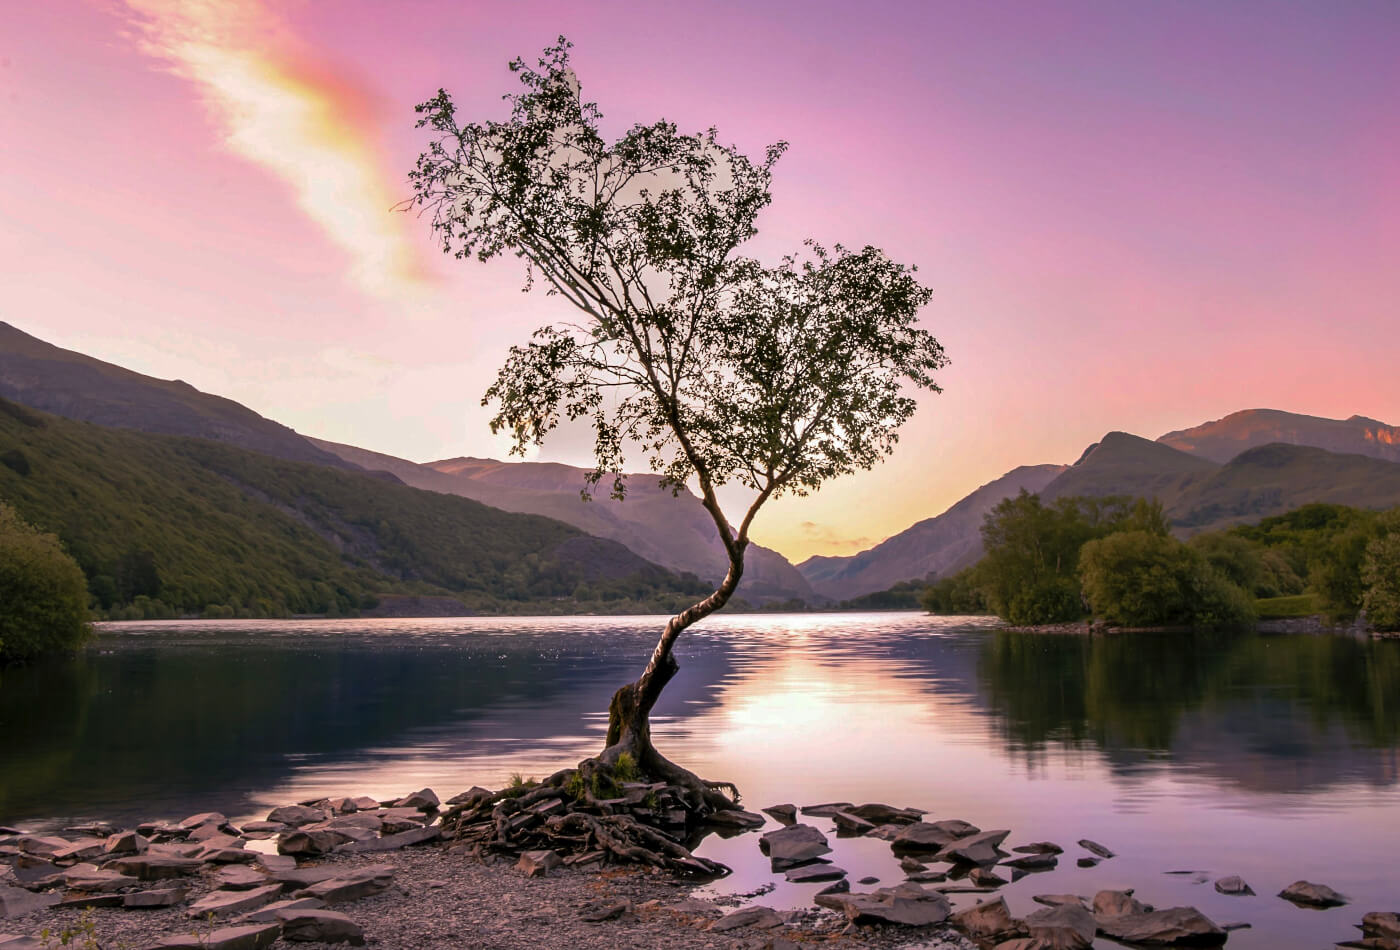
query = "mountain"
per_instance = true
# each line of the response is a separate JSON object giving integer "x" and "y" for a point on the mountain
{"x": 1123, "y": 464}
{"x": 69, "y": 384}
{"x": 674, "y": 531}
{"x": 197, "y": 524}
{"x": 1273, "y": 479}
{"x": 939, "y": 545}
{"x": 1197, "y": 492}
{"x": 1223, "y": 439}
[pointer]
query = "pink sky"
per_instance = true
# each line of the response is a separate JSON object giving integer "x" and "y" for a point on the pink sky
{"x": 1134, "y": 216}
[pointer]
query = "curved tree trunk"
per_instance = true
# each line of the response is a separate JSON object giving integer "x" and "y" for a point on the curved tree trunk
{"x": 629, "y": 714}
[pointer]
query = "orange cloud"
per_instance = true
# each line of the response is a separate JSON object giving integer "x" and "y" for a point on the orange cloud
{"x": 282, "y": 109}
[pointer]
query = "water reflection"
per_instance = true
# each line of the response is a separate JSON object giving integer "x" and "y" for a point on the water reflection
{"x": 1274, "y": 757}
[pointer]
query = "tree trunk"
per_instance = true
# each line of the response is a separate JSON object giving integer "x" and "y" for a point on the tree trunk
{"x": 629, "y": 714}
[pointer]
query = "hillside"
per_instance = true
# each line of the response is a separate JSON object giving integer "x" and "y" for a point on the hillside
{"x": 939, "y": 545}
{"x": 1223, "y": 439}
{"x": 1273, "y": 479}
{"x": 196, "y": 523}
{"x": 1123, "y": 464}
{"x": 79, "y": 387}
{"x": 673, "y": 531}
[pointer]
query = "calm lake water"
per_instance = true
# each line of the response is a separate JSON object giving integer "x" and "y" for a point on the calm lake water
{"x": 1273, "y": 757}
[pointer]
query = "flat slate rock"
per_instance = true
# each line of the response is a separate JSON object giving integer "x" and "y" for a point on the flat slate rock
{"x": 311, "y": 843}
{"x": 764, "y": 918}
{"x": 1059, "y": 900}
{"x": 906, "y": 904}
{"x": 237, "y": 877}
{"x": 735, "y": 818}
{"x": 15, "y": 901}
{"x": 811, "y": 873}
{"x": 827, "y": 809}
{"x": 293, "y": 815}
{"x": 980, "y": 848}
{"x": 783, "y": 814}
{"x": 1312, "y": 895}
{"x": 156, "y": 867}
{"x": 793, "y": 845}
{"x": 1109, "y": 904}
{"x": 229, "y": 903}
{"x": 1382, "y": 925}
{"x": 880, "y": 814}
{"x": 363, "y": 882}
{"x": 1093, "y": 847}
{"x": 1066, "y": 927}
{"x": 1033, "y": 862}
{"x": 1039, "y": 847}
{"x": 154, "y": 899}
{"x": 402, "y": 839}
{"x": 268, "y": 912}
{"x": 89, "y": 900}
{"x": 1234, "y": 885}
{"x": 319, "y": 926}
{"x": 987, "y": 920}
{"x": 244, "y": 937}
{"x": 931, "y": 837}
{"x": 851, "y": 825}
{"x": 1173, "y": 927}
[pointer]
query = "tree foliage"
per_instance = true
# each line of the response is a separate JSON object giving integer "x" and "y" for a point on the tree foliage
{"x": 1380, "y": 574}
{"x": 43, "y": 597}
{"x": 1030, "y": 572}
{"x": 1144, "y": 579}
{"x": 713, "y": 364}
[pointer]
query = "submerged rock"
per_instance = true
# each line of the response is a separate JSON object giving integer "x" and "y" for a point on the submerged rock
{"x": 784, "y": 814}
{"x": 793, "y": 845}
{"x": 1093, "y": 847}
{"x": 1312, "y": 895}
{"x": 1234, "y": 885}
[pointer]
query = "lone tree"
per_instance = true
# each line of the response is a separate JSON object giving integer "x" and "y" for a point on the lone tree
{"x": 716, "y": 367}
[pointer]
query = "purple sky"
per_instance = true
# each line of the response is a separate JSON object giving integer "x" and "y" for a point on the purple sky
{"x": 1134, "y": 216}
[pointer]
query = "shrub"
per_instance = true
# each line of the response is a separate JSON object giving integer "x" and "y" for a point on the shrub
{"x": 43, "y": 596}
{"x": 1144, "y": 579}
{"x": 1380, "y": 575}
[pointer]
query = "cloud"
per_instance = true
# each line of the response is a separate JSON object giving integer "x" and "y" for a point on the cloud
{"x": 831, "y": 541}
{"x": 301, "y": 120}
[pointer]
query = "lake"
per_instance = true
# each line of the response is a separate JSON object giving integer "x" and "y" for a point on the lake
{"x": 1272, "y": 757}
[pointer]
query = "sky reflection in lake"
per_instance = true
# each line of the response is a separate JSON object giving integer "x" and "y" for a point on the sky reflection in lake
{"x": 1270, "y": 757}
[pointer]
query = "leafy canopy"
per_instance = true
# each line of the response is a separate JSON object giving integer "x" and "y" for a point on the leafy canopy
{"x": 714, "y": 364}
{"x": 43, "y": 597}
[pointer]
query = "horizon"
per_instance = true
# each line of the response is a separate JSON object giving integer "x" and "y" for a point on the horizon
{"x": 1197, "y": 202}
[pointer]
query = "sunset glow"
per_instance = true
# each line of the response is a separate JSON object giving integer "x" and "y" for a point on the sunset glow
{"x": 1136, "y": 218}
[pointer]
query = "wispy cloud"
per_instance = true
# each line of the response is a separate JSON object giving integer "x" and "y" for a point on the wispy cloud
{"x": 832, "y": 541}
{"x": 281, "y": 108}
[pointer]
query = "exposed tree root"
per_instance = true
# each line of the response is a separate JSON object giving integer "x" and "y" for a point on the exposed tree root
{"x": 629, "y": 804}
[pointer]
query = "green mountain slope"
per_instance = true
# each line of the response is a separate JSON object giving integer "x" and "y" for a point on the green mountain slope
{"x": 198, "y": 523}
{"x": 75, "y": 386}
{"x": 1273, "y": 479}
{"x": 1123, "y": 464}
{"x": 672, "y": 530}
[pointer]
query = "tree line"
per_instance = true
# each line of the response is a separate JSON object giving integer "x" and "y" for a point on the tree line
{"x": 1114, "y": 559}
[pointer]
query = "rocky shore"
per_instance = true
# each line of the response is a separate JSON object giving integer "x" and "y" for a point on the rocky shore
{"x": 412, "y": 873}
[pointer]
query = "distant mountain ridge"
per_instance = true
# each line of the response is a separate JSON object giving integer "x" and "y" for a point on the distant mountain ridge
{"x": 1223, "y": 439}
{"x": 674, "y": 531}
{"x": 46, "y": 377}
{"x": 197, "y": 524}
{"x": 939, "y": 545}
{"x": 1207, "y": 478}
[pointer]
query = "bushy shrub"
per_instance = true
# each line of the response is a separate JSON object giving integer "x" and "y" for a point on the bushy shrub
{"x": 43, "y": 596}
{"x": 1144, "y": 579}
{"x": 1380, "y": 575}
